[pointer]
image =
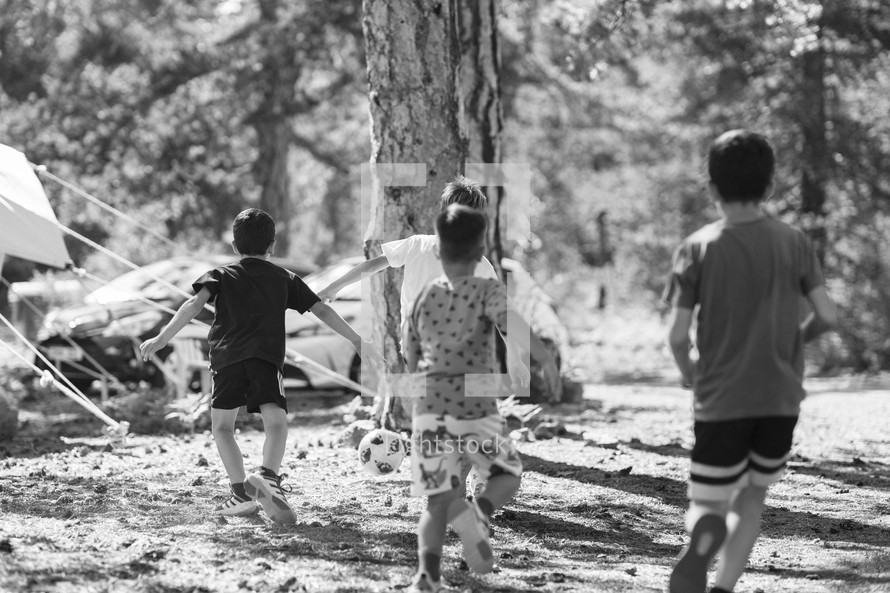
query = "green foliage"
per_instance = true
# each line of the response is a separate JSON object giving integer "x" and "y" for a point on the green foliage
{"x": 191, "y": 411}
{"x": 169, "y": 111}
{"x": 614, "y": 104}
{"x": 149, "y": 107}
{"x": 144, "y": 408}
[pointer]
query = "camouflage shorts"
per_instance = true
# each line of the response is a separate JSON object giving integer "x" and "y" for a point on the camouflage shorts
{"x": 443, "y": 445}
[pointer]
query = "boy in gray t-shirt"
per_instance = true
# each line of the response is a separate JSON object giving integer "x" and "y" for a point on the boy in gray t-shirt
{"x": 742, "y": 278}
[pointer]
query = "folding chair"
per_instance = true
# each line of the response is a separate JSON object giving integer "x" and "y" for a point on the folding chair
{"x": 189, "y": 356}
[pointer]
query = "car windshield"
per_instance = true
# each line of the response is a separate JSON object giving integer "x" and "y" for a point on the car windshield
{"x": 320, "y": 279}
{"x": 145, "y": 283}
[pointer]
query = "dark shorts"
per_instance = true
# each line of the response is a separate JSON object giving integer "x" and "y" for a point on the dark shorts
{"x": 732, "y": 454}
{"x": 252, "y": 383}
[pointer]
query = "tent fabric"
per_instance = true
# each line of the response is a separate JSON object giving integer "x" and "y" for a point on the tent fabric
{"x": 28, "y": 226}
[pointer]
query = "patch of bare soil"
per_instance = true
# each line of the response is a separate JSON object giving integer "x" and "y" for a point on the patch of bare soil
{"x": 601, "y": 506}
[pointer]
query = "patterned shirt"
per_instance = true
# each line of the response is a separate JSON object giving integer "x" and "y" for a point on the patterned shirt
{"x": 451, "y": 332}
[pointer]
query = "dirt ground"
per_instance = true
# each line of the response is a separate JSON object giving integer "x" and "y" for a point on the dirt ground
{"x": 600, "y": 508}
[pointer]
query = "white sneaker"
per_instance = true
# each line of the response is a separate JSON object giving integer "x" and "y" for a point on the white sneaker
{"x": 471, "y": 525}
{"x": 267, "y": 491}
{"x": 235, "y": 507}
{"x": 475, "y": 484}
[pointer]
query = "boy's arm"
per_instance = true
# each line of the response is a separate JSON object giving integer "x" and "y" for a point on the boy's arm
{"x": 367, "y": 267}
{"x": 412, "y": 345}
{"x": 537, "y": 348}
{"x": 515, "y": 366}
{"x": 680, "y": 343}
{"x": 823, "y": 317}
{"x": 186, "y": 312}
{"x": 332, "y": 319}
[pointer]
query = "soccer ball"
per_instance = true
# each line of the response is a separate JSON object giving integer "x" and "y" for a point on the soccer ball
{"x": 381, "y": 451}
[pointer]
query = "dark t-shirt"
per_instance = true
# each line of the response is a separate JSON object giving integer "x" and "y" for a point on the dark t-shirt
{"x": 747, "y": 281}
{"x": 251, "y": 297}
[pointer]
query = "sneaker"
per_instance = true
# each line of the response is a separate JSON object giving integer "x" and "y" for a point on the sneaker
{"x": 236, "y": 507}
{"x": 690, "y": 575}
{"x": 423, "y": 583}
{"x": 471, "y": 525}
{"x": 475, "y": 484}
{"x": 267, "y": 491}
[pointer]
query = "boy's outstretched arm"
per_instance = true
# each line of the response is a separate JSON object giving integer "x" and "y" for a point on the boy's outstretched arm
{"x": 537, "y": 349}
{"x": 515, "y": 366}
{"x": 823, "y": 317}
{"x": 332, "y": 319}
{"x": 186, "y": 312}
{"x": 371, "y": 266}
{"x": 680, "y": 342}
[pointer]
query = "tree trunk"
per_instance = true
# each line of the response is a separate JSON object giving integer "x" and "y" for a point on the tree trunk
{"x": 413, "y": 55}
{"x": 816, "y": 161}
{"x": 271, "y": 120}
{"x": 272, "y": 175}
{"x": 481, "y": 92}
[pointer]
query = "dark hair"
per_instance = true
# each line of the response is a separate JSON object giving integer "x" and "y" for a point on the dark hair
{"x": 463, "y": 191}
{"x": 461, "y": 231}
{"x": 740, "y": 164}
{"x": 254, "y": 232}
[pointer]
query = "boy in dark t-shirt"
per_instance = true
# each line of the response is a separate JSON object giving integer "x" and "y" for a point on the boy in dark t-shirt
{"x": 743, "y": 278}
{"x": 247, "y": 348}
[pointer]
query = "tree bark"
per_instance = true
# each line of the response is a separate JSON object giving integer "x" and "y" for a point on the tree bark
{"x": 413, "y": 55}
{"x": 816, "y": 161}
{"x": 481, "y": 92}
{"x": 271, "y": 120}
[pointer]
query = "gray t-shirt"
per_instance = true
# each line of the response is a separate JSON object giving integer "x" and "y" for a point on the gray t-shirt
{"x": 747, "y": 281}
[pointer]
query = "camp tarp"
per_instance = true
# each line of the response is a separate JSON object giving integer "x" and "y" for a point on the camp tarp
{"x": 28, "y": 226}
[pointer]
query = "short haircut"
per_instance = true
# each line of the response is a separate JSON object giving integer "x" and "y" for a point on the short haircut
{"x": 461, "y": 232}
{"x": 463, "y": 191}
{"x": 254, "y": 232}
{"x": 741, "y": 164}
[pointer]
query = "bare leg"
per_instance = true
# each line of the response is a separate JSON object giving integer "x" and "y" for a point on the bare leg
{"x": 698, "y": 509}
{"x": 431, "y": 533}
{"x": 275, "y": 427}
{"x": 743, "y": 528}
{"x": 499, "y": 490}
{"x": 706, "y": 523}
{"x": 223, "y": 428}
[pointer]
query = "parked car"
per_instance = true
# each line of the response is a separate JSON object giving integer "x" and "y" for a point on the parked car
{"x": 307, "y": 336}
{"x": 111, "y": 322}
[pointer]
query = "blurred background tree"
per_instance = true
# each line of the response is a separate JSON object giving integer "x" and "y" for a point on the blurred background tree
{"x": 183, "y": 113}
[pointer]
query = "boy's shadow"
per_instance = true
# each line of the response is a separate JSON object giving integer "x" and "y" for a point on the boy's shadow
{"x": 778, "y": 521}
{"x": 856, "y": 473}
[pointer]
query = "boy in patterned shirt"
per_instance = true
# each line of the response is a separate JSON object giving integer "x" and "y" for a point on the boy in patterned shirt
{"x": 419, "y": 258}
{"x": 450, "y": 343}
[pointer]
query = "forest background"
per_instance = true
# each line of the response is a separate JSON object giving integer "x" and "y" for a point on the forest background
{"x": 166, "y": 110}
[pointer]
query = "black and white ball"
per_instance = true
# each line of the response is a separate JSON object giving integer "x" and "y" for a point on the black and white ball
{"x": 381, "y": 452}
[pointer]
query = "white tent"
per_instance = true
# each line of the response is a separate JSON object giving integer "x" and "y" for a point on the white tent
{"x": 28, "y": 226}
